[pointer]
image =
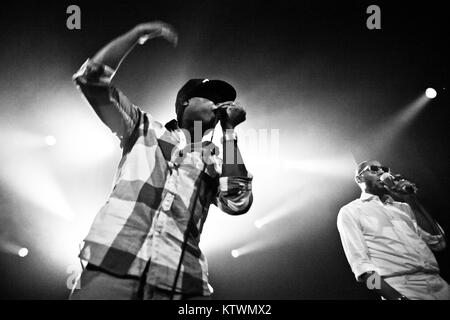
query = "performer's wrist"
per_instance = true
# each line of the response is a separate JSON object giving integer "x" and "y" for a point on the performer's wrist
{"x": 229, "y": 135}
{"x": 226, "y": 126}
{"x": 139, "y": 30}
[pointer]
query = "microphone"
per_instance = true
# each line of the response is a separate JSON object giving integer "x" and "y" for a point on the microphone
{"x": 392, "y": 181}
{"x": 388, "y": 179}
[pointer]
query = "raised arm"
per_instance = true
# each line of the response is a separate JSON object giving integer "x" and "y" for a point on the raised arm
{"x": 94, "y": 78}
{"x": 429, "y": 229}
{"x": 115, "y": 52}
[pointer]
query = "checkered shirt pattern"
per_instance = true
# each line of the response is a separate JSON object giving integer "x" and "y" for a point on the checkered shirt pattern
{"x": 160, "y": 180}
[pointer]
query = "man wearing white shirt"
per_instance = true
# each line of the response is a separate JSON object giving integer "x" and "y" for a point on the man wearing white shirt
{"x": 388, "y": 243}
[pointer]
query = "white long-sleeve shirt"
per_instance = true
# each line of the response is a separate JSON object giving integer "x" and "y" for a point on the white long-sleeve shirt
{"x": 385, "y": 237}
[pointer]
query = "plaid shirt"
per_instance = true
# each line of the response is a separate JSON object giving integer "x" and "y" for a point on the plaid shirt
{"x": 155, "y": 190}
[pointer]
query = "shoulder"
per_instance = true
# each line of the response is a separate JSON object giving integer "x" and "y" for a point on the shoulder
{"x": 350, "y": 210}
{"x": 149, "y": 121}
{"x": 403, "y": 206}
{"x": 351, "y": 206}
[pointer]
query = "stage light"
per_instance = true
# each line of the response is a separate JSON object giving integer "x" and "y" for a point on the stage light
{"x": 34, "y": 181}
{"x": 259, "y": 224}
{"x": 65, "y": 250}
{"x": 23, "y": 252}
{"x": 270, "y": 218}
{"x": 333, "y": 166}
{"x": 87, "y": 143}
{"x": 255, "y": 246}
{"x": 430, "y": 93}
{"x": 50, "y": 140}
{"x": 395, "y": 124}
{"x": 81, "y": 139}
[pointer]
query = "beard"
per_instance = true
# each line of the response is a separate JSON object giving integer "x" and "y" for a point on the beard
{"x": 376, "y": 188}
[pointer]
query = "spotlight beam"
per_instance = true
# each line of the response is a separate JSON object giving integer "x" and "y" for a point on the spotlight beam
{"x": 390, "y": 129}
{"x": 252, "y": 247}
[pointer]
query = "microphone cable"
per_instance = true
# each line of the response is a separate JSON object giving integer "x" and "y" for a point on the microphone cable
{"x": 190, "y": 223}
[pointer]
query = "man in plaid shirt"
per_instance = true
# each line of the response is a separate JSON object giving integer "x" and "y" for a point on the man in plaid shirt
{"x": 166, "y": 180}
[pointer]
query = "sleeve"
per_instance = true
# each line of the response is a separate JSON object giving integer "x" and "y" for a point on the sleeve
{"x": 435, "y": 242}
{"x": 354, "y": 244}
{"x": 110, "y": 104}
{"x": 235, "y": 195}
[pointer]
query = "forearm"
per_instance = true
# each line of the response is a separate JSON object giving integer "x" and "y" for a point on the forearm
{"x": 233, "y": 163}
{"x": 115, "y": 51}
{"x": 424, "y": 219}
{"x": 93, "y": 79}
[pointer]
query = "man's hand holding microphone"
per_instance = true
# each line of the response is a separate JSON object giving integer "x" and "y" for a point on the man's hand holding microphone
{"x": 398, "y": 185}
{"x": 230, "y": 114}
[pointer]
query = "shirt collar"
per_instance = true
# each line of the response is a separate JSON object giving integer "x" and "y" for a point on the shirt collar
{"x": 183, "y": 146}
{"x": 387, "y": 199}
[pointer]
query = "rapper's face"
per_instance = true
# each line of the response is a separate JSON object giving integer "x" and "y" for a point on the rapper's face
{"x": 371, "y": 178}
{"x": 199, "y": 109}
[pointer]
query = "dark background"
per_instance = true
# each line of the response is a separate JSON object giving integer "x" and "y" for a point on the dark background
{"x": 299, "y": 66}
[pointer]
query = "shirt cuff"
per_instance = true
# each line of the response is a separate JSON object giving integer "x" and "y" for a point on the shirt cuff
{"x": 94, "y": 73}
{"x": 227, "y": 184}
{"x": 360, "y": 268}
{"x": 436, "y": 242}
{"x": 229, "y": 136}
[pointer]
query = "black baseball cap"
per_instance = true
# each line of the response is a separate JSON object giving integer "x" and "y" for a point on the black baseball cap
{"x": 215, "y": 90}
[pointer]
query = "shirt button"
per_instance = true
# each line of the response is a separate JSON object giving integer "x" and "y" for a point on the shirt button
{"x": 167, "y": 201}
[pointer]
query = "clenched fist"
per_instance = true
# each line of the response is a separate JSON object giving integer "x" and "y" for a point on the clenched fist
{"x": 154, "y": 29}
{"x": 231, "y": 114}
